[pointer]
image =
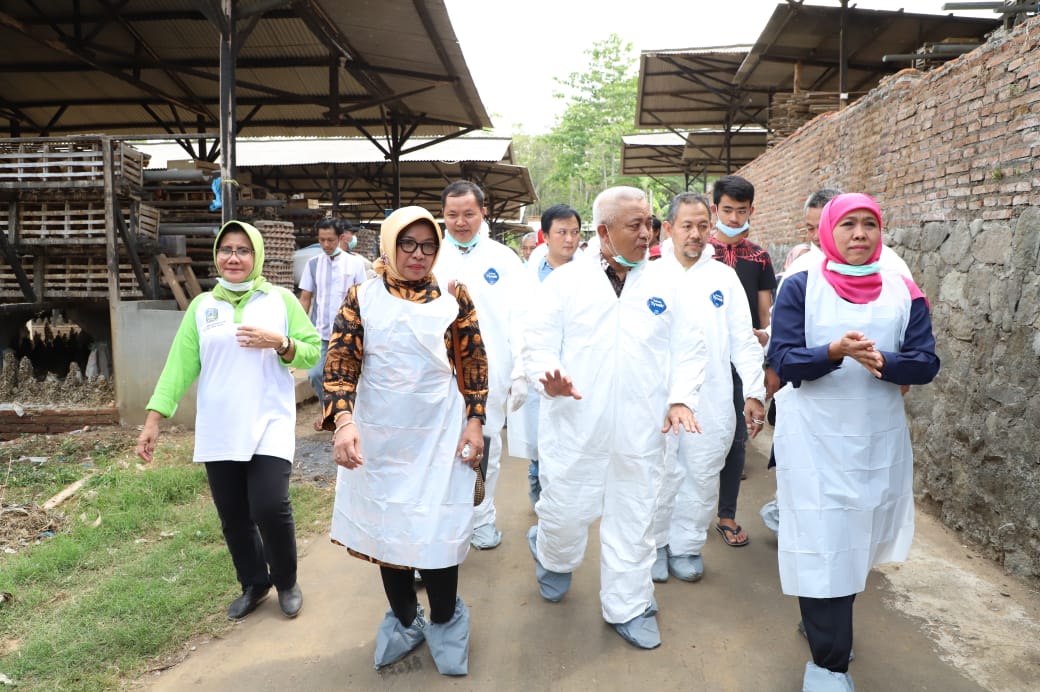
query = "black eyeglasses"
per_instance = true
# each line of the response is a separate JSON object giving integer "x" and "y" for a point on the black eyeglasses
{"x": 429, "y": 248}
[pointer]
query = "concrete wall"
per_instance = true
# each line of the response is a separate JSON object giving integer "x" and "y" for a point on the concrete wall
{"x": 953, "y": 157}
{"x": 142, "y": 336}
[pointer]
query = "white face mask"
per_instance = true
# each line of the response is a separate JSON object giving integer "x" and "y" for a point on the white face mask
{"x": 732, "y": 232}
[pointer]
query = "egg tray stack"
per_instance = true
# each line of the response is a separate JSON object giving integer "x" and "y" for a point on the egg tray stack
{"x": 279, "y": 247}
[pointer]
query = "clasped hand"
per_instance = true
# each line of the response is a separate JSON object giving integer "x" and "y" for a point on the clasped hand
{"x": 857, "y": 346}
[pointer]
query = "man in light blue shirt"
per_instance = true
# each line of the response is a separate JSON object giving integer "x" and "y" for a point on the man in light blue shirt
{"x": 561, "y": 226}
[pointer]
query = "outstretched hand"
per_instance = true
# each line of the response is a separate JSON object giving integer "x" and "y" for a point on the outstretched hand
{"x": 557, "y": 384}
{"x": 857, "y": 346}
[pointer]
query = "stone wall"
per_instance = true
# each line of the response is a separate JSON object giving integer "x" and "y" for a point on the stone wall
{"x": 953, "y": 158}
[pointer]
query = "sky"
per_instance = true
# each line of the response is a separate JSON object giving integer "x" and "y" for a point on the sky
{"x": 515, "y": 49}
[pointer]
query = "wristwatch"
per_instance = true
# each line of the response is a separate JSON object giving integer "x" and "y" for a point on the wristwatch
{"x": 281, "y": 350}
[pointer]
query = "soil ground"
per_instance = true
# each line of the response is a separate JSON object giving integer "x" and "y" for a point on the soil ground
{"x": 945, "y": 620}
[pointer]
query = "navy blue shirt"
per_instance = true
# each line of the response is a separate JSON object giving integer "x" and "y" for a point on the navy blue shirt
{"x": 794, "y": 362}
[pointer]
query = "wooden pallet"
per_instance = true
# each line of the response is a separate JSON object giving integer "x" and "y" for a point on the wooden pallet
{"x": 73, "y": 222}
{"x": 69, "y": 163}
{"x": 68, "y": 276}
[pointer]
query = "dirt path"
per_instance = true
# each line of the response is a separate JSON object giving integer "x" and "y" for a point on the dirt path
{"x": 939, "y": 622}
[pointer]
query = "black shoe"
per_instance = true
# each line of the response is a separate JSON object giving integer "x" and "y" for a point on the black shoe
{"x": 291, "y": 600}
{"x": 245, "y": 604}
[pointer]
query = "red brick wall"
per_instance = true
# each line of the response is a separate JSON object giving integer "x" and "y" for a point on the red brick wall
{"x": 958, "y": 142}
{"x": 53, "y": 420}
{"x": 953, "y": 158}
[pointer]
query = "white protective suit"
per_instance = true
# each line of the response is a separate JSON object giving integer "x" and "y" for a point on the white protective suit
{"x": 491, "y": 272}
{"x": 844, "y": 461}
{"x": 411, "y": 502}
{"x": 716, "y": 300}
{"x": 629, "y": 358}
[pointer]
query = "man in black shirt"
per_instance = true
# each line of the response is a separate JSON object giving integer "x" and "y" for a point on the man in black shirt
{"x": 734, "y": 199}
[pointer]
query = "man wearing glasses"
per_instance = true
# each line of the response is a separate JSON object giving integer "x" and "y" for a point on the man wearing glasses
{"x": 491, "y": 272}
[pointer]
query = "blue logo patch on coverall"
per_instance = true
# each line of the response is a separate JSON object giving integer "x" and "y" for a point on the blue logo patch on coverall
{"x": 656, "y": 305}
{"x": 716, "y": 299}
{"x": 491, "y": 276}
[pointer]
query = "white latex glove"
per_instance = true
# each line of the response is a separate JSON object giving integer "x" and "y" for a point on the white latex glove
{"x": 517, "y": 393}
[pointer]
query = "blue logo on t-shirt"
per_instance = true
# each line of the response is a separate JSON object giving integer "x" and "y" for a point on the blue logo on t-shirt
{"x": 716, "y": 299}
{"x": 491, "y": 276}
{"x": 211, "y": 315}
{"x": 656, "y": 305}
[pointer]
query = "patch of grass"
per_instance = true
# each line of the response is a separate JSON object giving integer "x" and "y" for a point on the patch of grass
{"x": 94, "y": 605}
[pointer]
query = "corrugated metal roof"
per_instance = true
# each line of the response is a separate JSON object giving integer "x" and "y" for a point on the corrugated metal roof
{"x": 696, "y": 153}
{"x": 733, "y": 86}
{"x": 155, "y": 65}
{"x": 289, "y": 152}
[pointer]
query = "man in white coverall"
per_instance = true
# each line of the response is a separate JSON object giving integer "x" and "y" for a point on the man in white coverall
{"x": 492, "y": 272}
{"x": 561, "y": 225}
{"x": 715, "y": 297}
{"x": 615, "y": 358}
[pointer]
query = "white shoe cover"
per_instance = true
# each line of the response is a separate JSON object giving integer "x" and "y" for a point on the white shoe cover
{"x": 659, "y": 572}
{"x": 486, "y": 537}
{"x": 394, "y": 641}
{"x": 449, "y": 642}
{"x": 642, "y": 630}
{"x": 819, "y": 679}
{"x": 770, "y": 514}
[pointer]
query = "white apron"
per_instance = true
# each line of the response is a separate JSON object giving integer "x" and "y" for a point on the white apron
{"x": 844, "y": 460}
{"x": 411, "y": 502}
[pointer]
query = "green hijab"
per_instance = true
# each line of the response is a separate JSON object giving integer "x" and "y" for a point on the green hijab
{"x": 238, "y": 294}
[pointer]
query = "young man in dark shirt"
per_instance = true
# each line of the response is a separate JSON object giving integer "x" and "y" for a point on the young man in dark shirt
{"x": 734, "y": 199}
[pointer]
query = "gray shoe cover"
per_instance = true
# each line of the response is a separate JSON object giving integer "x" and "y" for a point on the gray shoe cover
{"x": 686, "y": 567}
{"x": 449, "y": 642}
{"x": 486, "y": 537}
{"x": 770, "y": 514}
{"x": 552, "y": 585}
{"x": 641, "y": 630}
{"x": 394, "y": 641}
{"x": 659, "y": 572}
{"x": 819, "y": 679}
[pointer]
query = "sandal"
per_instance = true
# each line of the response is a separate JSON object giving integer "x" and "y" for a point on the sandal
{"x": 729, "y": 534}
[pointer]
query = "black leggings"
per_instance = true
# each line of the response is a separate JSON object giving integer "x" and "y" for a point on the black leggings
{"x": 828, "y": 627}
{"x": 442, "y": 585}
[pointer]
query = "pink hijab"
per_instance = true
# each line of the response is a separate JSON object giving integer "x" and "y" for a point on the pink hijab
{"x": 855, "y": 289}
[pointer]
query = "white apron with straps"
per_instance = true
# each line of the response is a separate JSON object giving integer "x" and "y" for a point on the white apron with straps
{"x": 411, "y": 502}
{"x": 844, "y": 460}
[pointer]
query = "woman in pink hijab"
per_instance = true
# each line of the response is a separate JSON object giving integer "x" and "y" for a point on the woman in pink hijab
{"x": 846, "y": 334}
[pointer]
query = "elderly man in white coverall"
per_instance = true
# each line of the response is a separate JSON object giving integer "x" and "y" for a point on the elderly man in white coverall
{"x": 715, "y": 298}
{"x": 492, "y": 273}
{"x": 615, "y": 358}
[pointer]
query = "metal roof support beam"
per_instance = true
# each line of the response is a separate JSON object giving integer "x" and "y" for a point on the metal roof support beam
{"x": 228, "y": 51}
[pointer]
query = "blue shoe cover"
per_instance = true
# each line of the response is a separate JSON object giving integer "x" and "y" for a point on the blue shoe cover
{"x": 819, "y": 679}
{"x": 641, "y": 630}
{"x": 686, "y": 567}
{"x": 552, "y": 585}
{"x": 486, "y": 537}
{"x": 659, "y": 572}
{"x": 394, "y": 641}
{"x": 449, "y": 642}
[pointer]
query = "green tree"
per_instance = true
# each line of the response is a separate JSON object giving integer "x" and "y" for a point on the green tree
{"x": 581, "y": 155}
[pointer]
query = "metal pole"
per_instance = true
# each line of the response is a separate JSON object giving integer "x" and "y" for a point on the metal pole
{"x": 843, "y": 58}
{"x": 228, "y": 49}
